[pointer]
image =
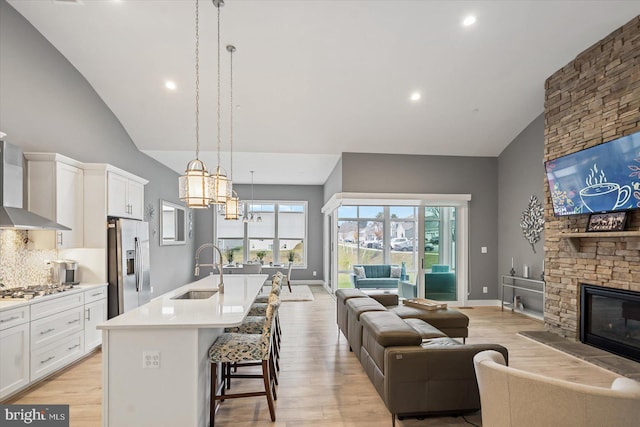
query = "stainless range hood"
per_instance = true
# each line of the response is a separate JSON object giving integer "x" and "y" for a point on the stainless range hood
{"x": 12, "y": 214}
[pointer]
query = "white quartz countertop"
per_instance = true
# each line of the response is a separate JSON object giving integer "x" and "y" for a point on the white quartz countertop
{"x": 218, "y": 311}
{"x": 7, "y": 304}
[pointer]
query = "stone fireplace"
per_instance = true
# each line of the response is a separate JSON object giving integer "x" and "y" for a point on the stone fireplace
{"x": 592, "y": 100}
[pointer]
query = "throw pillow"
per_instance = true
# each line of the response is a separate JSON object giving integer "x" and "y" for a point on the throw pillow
{"x": 359, "y": 272}
{"x": 395, "y": 272}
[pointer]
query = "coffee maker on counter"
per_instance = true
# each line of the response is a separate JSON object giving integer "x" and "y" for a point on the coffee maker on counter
{"x": 64, "y": 272}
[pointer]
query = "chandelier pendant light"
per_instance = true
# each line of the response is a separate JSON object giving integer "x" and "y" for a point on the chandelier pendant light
{"x": 194, "y": 187}
{"x": 232, "y": 207}
{"x": 220, "y": 183}
{"x": 251, "y": 216}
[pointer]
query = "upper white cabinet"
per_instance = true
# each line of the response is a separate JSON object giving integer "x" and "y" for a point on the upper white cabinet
{"x": 109, "y": 191}
{"x": 56, "y": 192}
{"x": 125, "y": 197}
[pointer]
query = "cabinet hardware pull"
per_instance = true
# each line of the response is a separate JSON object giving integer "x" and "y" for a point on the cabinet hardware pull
{"x": 71, "y": 322}
{"x": 9, "y": 319}
{"x": 72, "y": 347}
{"x": 47, "y": 331}
{"x": 89, "y": 314}
{"x": 42, "y": 362}
{"x": 96, "y": 295}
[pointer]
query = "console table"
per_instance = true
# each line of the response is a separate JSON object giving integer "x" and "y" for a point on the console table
{"x": 522, "y": 284}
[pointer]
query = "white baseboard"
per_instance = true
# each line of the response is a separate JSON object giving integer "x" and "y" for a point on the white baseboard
{"x": 307, "y": 282}
{"x": 478, "y": 303}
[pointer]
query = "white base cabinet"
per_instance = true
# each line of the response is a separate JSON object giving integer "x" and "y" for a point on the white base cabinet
{"x": 14, "y": 356}
{"x": 95, "y": 312}
{"x": 47, "y": 335}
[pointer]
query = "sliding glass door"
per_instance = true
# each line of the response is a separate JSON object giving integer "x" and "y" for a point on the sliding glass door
{"x": 440, "y": 253}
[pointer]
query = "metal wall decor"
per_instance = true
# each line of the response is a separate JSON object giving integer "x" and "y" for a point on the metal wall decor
{"x": 532, "y": 221}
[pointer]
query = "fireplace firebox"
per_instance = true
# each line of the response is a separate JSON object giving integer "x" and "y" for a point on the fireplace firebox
{"x": 610, "y": 320}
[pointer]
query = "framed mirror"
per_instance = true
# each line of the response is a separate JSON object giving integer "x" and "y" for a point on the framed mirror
{"x": 173, "y": 224}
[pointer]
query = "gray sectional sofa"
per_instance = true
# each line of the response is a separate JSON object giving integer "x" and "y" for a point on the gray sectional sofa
{"x": 415, "y": 364}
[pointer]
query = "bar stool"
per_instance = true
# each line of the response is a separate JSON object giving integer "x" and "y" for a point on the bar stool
{"x": 265, "y": 298}
{"x": 234, "y": 348}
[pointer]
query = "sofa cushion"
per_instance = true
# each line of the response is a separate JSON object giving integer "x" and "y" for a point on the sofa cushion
{"x": 395, "y": 272}
{"x": 425, "y": 330}
{"x": 440, "y": 268}
{"x": 342, "y": 295}
{"x": 389, "y": 330}
{"x": 379, "y": 282}
{"x": 452, "y": 322}
{"x": 355, "y": 308}
{"x": 377, "y": 270}
{"x": 359, "y": 272}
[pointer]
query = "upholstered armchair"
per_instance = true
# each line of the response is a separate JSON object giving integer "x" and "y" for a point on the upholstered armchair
{"x": 513, "y": 398}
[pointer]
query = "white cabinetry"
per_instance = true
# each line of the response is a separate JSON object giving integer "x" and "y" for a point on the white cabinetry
{"x": 95, "y": 312}
{"x": 56, "y": 192}
{"x": 44, "y": 336}
{"x": 57, "y": 333}
{"x": 14, "y": 350}
{"x": 109, "y": 191}
{"x": 125, "y": 196}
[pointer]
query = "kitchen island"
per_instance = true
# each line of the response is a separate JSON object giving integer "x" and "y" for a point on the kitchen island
{"x": 155, "y": 357}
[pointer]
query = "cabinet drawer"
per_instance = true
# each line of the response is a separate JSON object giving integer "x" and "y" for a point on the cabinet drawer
{"x": 56, "y": 305}
{"x": 95, "y": 294}
{"x": 52, "y": 328}
{"x": 56, "y": 355}
{"x": 14, "y": 317}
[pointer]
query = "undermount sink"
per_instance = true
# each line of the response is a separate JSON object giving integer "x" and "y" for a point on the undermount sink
{"x": 202, "y": 294}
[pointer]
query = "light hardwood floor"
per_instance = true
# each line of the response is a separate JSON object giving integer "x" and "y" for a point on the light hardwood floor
{"x": 321, "y": 382}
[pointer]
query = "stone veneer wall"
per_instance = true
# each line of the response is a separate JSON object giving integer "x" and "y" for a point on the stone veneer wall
{"x": 592, "y": 100}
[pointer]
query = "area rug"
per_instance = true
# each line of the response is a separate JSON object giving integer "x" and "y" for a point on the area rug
{"x": 298, "y": 293}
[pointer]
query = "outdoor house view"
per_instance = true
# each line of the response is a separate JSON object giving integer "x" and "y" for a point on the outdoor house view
{"x": 391, "y": 235}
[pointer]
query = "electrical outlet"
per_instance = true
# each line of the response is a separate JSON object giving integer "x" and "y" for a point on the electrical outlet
{"x": 485, "y": 289}
{"x": 315, "y": 274}
{"x": 483, "y": 250}
{"x": 151, "y": 289}
{"x": 150, "y": 359}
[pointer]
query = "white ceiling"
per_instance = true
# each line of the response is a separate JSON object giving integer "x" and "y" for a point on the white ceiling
{"x": 313, "y": 79}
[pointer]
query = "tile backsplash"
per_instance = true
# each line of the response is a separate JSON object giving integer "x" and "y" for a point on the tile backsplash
{"x": 20, "y": 265}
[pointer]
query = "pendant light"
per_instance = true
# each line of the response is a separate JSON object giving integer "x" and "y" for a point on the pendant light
{"x": 194, "y": 187}
{"x": 249, "y": 217}
{"x": 232, "y": 207}
{"x": 221, "y": 185}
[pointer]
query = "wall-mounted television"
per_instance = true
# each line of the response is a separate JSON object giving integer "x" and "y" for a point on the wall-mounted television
{"x": 603, "y": 178}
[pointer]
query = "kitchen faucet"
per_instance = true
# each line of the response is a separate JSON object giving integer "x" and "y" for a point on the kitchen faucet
{"x": 213, "y": 264}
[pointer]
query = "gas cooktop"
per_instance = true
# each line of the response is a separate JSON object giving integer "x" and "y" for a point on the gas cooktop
{"x": 29, "y": 292}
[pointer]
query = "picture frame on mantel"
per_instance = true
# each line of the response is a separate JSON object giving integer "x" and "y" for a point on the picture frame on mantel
{"x": 607, "y": 221}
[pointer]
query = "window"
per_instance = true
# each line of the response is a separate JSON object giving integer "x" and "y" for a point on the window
{"x": 376, "y": 235}
{"x": 281, "y": 234}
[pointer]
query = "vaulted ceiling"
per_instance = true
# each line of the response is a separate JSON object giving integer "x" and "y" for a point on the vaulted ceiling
{"x": 313, "y": 79}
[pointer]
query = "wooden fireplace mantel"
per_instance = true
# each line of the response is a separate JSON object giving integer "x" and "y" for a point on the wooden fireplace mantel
{"x": 575, "y": 238}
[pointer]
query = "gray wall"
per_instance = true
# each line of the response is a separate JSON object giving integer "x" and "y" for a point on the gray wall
{"x": 478, "y": 176}
{"x": 313, "y": 194}
{"x": 333, "y": 184}
{"x": 47, "y": 105}
{"x": 520, "y": 175}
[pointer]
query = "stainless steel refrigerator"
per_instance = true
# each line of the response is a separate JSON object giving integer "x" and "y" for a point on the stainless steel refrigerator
{"x": 128, "y": 270}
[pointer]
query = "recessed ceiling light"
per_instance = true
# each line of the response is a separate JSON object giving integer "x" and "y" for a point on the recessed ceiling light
{"x": 415, "y": 96}
{"x": 469, "y": 20}
{"x": 170, "y": 85}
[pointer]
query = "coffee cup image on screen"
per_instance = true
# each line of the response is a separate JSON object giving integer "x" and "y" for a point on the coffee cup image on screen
{"x": 606, "y": 196}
